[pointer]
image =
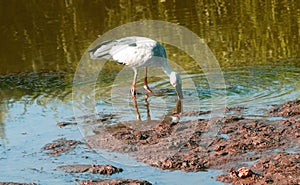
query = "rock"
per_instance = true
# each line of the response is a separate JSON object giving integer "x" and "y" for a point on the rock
{"x": 244, "y": 172}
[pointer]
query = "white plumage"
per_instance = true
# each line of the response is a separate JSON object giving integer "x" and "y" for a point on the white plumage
{"x": 137, "y": 52}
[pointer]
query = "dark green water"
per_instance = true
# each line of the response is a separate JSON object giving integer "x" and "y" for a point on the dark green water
{"x": 53, "y": 35}
{"x": 256, "y": 44}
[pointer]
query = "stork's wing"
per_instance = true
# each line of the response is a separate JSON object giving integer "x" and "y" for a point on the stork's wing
{"x": 108, "y": 49}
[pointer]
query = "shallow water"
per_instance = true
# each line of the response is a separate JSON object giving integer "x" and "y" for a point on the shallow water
{"x": 256, "y": 45}
{"x": 255, "y": 87}
{"x": 27, "y": 127}
{"x": 29, "y": 121}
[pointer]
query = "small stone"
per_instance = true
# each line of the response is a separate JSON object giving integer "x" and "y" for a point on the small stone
{"x": 244, "y": 172}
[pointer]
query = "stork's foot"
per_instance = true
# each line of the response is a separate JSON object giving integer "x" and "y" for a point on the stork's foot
{"x": 146, "y": 87}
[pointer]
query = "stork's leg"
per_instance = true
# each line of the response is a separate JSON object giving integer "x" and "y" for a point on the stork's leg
{"x": 146, "y": 82}
{"x": 138, "y": 116}
{"x": 134, "y": 84}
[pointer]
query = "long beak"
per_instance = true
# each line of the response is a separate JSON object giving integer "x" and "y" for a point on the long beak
{"x": 178, "y": 89}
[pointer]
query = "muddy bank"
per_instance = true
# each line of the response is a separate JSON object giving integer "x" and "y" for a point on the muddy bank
{"x": 289, "y": 110}
{"x": 282, "y": 168}
{"x": 114, "y": 182}
{"x": 60, "y": 146}
{"x": 165, "y": 146}
{"x": 95, "y": 169}
{"x": 184, "y": 146}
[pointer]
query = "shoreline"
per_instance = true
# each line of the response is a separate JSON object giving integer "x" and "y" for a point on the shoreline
{"x": 248, "y": 151}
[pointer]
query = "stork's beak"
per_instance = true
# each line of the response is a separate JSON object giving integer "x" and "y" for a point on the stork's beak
{"x": 178, "y": 89}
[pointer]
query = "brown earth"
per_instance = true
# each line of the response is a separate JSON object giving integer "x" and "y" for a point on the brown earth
{"x": 95, "y": 169}
{"x": 60, "y": 146}
{"x": 282, "y": 168}
{"x": 114, "y": 182}
{"x": 264, "y": 151}
{"x": 182, "y": 145}
{"x": 289, "y": 110}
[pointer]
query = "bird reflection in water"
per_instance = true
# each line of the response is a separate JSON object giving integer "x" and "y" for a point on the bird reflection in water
{"x": 172, "y": 116}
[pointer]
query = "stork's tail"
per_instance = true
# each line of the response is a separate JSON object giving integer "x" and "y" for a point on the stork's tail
{"x": 102, "y": 50}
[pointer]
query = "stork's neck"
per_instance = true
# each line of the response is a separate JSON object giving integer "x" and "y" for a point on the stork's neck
{"x": 167, "y": 69}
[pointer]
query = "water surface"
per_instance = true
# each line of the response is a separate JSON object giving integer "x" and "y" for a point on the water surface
{"x": 256, "y": 44}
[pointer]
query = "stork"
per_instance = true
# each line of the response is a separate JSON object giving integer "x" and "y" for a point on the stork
{"x": 138, "y": 52}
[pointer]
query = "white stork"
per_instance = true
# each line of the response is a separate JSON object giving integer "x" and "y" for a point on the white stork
{"x": 138, "y": 52}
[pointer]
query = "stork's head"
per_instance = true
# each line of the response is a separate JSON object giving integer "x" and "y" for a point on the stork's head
{"x": 176, "y": 82}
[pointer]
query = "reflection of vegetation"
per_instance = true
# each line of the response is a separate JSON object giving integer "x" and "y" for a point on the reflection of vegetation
{"x": 34, "y": 86}
{"x": 52, "y": 35}
{"x": 255, "y": 30}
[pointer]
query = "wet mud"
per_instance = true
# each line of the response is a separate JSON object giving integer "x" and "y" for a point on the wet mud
{"x": 262, "y": 150}
{"x": 60, "y": 146}
{"x": 249, "y": 151}
{"x": 282, "y": 168}
{"x": 114, "y": 182}
{"x": 94, "y": 169}
{"x": 289, "y": 110}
